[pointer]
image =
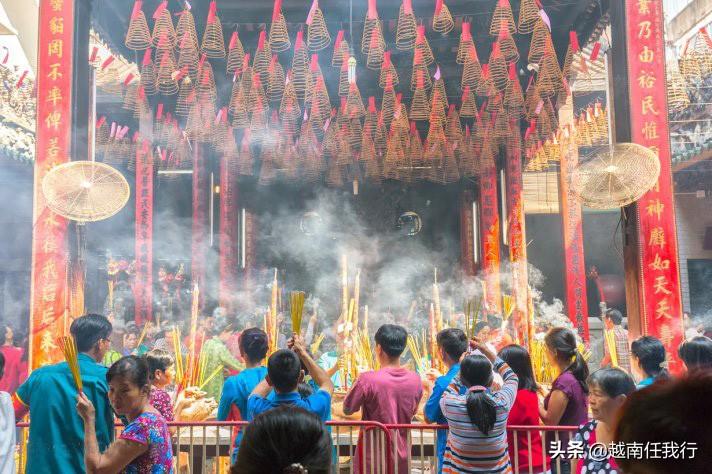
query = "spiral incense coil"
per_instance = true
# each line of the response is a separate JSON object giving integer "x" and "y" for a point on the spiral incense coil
{"x": 502, "y": 15}
{"x": 235, "y": 55}
{"x": 466, "y": 42}
{"x": 289, "y": 107}
{"x": 278, "y": 34}
{"x": 206, "y": 82}
{"x": 486, "y": 86}
{"x": 507, "y": 46}
{"x": 406, "y": 29}
{"x": 354, "y": 103}
{"x": 532, "y": 101}
{"x": 312, "y": 77}
{"x": 186, "y": 97}
{"x": 420, "y": 68}
{"x": 213, "y": 45}
{"x": 514, "y": 99}
{"x": 388, "y": 102}
{"x": 355, "y": 132}
{"x": 275, "y": 82}
{"x": 186, "y": 28}
{"x": 341, "y": 50}
{"x": 188, "y": 58}
{"x": 528, "y": 16}
{"x": 318, "y": 36}
{"x": 442, "y": 19}
{"x": 540, "y": 43}
{"x": 130, "y": 97}
{"x": 451, "y": 170}
{"x": 257, "y": 94}
{"x": 420, "y": 105}
{"x": 371, "y": 22}
{"x": 502, "y": 130}
{"x": 321, "y": 104}
{"x": 453, "y": 127}
{"x": 549, "y": 80}
{"x": 422, "y": 45}
{"x": 263, "y": 57}
{"x": 368, "y": 149}
{"x": 388, "y": 70}
{"x": 469, "y": 105}
{"x": 702, "y": 49}
{"x": 258, "y": 121}
{"x": 439, "y": 86}
{"x": 165, "y": 79}
{"x": 678, "y": 97}
{"x": 472, "y": 72}
{"x": 109, "y": 79}
{"x": 138, "y": 37}
{"x": 415, "y": 148}
{"x": 495, "y": 104}
{"x": 393, "y": 158}
{"x": 300, "y": 67}
{"x": 164, "y": 34}
{"x": 690, "y": 68}
{"x": 437, "y": 111}
{"x": 498, "y": 68}
{"x": 148, "y": 74}
{"x": 344, "y": 80}
{"x": 238, "y": 107}
{"x": 246, "y": 161}
{"x": 374, "y": 59}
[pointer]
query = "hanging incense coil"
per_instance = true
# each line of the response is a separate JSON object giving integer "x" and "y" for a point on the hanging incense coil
{"x": 239, "y": 102}
{"x": 549, "y": 80}
{"x": 437, "y": 111}
{"x": 532, "y": 101}
{"x": 453, "y": 127}
{"x": 368, "y": 149}
{"x": 164, "y": 34}
{"x": 528, "y": 16}
{"x": 318, "y": 36}
{"x": 466, "y": 42}
{"x": 312, "y": 77}
{"x": 502, "y": 131}
{"x": 422, "y": 45}
{"x": 130, "y": 97}
{"x": 257, "y": 93}
{"x": 206, "y": 82}
{"x": 341, "y": 50}
{"x": 374, "y": 59}
{"x": 213, "y": 45}
{"x": 540, "y": 43}
{"x": 260, "y": 111}
{"x": 498, "y": 68}
{"x": 235, "y": 55}
{"x": 245, "y": 160}
{"x": 263, "y": 57}
{"x": 138, "y": 37}
{"x": 514, "y": 99}
{"x": 507, "y": 46}
{"x": 420, "y": 105}
{"x": 495, "y": 104}
{"x": 148, "y": 74}
{"x": 278, "y": 34}
{"x": 289, "y": 107}
{"x": 371, "y": 22}
{"x": 415, "y": 148}
{"x": 186, "y": 97}
{"x": 451, "y": 170}
{"x": 188, "y": 58}
{"x": 702, "y": 49}
{"x": 300, "y": 66}
{"x": 355, "y": 133}
{"x": 440, "y": 94}
{"x": 502, "y": 16}
{"x": 406, "y": 29}
{"x": 469, "y": 106}
{"x": 419, "y": 67}
{"x": 344, "y": 79}
{"x": 394, "y": 157}
{"x": 380, "y": 137}
{"x": 354, "y": 103}
{"x": 321, "y": 104}
{"x": 388, "y": 102}
{"x": 690, "y": 67}
{"x": 388, "y": 70}
{"x": 165, "y": 79}
{"x": 678, "y": 97}
{"x": 486, "y": 86}
{"x": 472, "y": 72}
{"x": 442, "y": 19}
{"x": 186, "y": 28}
{"x": 275, "y": 82}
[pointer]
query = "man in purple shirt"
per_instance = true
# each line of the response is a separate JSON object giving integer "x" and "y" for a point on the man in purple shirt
{"x": 389, "y": 395}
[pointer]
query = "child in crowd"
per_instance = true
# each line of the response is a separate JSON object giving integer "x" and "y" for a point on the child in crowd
{"x": 161, "y": 372}
{"x": 477, "y": 441}
{"x": 609, "y": 389}
{"x": 7, "y": 428}
{"x": 389, "y": 395}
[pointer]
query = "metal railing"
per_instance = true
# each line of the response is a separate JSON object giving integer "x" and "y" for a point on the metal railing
{"x": 362, "y": 447}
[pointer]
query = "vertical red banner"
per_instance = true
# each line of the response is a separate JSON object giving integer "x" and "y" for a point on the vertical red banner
{"x": 200, "y": 215}
{"x": 572, "y": 228}
{"x": 228, "y": 231}
{"x": 467, "y": 233}
{"x": 489, "y": 219}
{"x": 660, "y": 299}
{"x": 48, "y": 296}
{"x": 143, "y": 281}
{"x": 517, "y": 238}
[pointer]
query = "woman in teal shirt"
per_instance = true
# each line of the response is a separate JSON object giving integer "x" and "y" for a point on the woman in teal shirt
{"x": 648, "y": 360}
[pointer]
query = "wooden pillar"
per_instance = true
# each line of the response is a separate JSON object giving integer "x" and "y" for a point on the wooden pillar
{"x": 199, "y": 240}
{"x": 490, "y": 224}
{"x": 651, "y": 261}
{"x": 229, "y": 237}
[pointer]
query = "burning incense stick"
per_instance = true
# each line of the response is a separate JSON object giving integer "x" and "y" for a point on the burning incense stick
{"x": 144, "y": 331}
{"x": 357, "y": 294}
{"x": 344, "y": 285}
{"x": 436, "y": 299}
{"x": 296, "y": 307}
{"x": 69, "y": 349}
{"x": 207, "y": 380}
{"x": 365, "y": 319}
{"x": 317, "y": 343}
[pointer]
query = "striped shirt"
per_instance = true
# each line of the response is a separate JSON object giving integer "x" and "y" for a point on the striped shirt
{"x": 468, "y": 449}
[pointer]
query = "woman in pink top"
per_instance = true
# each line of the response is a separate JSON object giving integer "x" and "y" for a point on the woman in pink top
{"x": 389, "y": 395}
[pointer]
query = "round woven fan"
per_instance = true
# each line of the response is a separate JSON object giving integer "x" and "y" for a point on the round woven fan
{"x": 615, "y": 176}
{"x": 85, "y": 191}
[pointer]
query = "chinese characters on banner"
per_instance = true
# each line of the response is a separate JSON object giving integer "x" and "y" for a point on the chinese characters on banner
{"x": 517, "y": 239}
{"x": 489, "y": 218}
{"x": 467, "y": 234}
{"x": 143, "y": 282}
{"x": 200, "y": 214}
{"x": 228, "y": 231}
{"x": 660, "y": 306}
{"x": 572, "y": 227}
{"x": 48, "y": 298}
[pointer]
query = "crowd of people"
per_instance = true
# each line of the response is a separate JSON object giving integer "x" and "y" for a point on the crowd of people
{"x": 287, "y": 397}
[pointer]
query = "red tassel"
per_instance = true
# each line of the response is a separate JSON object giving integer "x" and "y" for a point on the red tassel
{"x": 594, "y": 52}
{"x": 261, "y": 41}
{"x": 339, "y": 39}
{"x": 386, "y": 59}
{"x": 372, "y": 11}
{"x": 106, "y": 62}
{"x": 438, "y": 7}
{"x": 159, "y": 111}
{"x": 233, "y": 40}
{"x": 314, "y": 65}
{"x": 136, "y": 9}
{"x": 212, "y": 12}
{"x": 408, "y": 7}
{"x": 466, "y": 32}
{"x": 420, "y": 34}
{"x": 277, "y": 9}
{"x": 573, "y": 38}
{"x": 512, "y": 71}
{"x": 128, "y": 79}
{"x": 160, "y": 9}
{"x": 147, "y": 57}
{"x": 299, "y": 43}
{"x": 101, "y": 121}
{"x": 371, "y": 104}
{"x": 92, "y": 56}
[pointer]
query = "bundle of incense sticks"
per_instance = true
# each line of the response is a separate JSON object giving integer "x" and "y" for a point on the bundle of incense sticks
{"x": 344, "y": 286}
{"x": 418, "y": 357}
{"x": 436, "y": 300}
{"x": 144, "y": 331}
{"x": 472, "y": 313}
{"x": 178, "y": 354}
{"x": 357, "y": 294}
{"x": 194, "y": 310}
{"x": 507, "y": 306}
{"x": 272, "y": 325}
{"x": 206, "y": 380}
{"x": 69, "y": 349}
{"x": 296, "y": 307}
{"x": 610, "y": 338}
{"x": 317, "y": 343}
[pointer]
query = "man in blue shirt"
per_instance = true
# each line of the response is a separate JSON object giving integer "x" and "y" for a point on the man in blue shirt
{"x": 56, "y": 442}
{"x": 284, "y": 372}
{"x": 452, "y": 343}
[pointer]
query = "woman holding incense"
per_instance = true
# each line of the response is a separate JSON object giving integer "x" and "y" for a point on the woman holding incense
{"x": 144, "y": 447}
{"x": 233, "y": 401}
{"x": 217, "y": 357}
{"x": 477, "y": 420}
{"x": 132, "y": 345}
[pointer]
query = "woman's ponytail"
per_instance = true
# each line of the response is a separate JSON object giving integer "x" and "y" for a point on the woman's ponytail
{"x": 562, "y": 342}
{"x": 481, "y": 409}
{"x": 579, "y": 369}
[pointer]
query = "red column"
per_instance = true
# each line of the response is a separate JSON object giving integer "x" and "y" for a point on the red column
{"x": 659, "y": 300}
{"x": 200, "y": 216}
{"x": 467, "y": 233}
{"x": 48, "y": 294}
{"x": 489, "y": 218}
{"x": 228, "y": 230}
{"x": 143, "y": 280}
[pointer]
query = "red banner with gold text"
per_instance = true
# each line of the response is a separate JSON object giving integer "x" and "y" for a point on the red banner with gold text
{"x": 660, "y": 301}
{"x": 467, "y": 233}
{"x": 200, "y": 216}
{"x": 489, "y": 219}
{"x": 228, "y": 231}
{"x": 143, "y": 281}
{"x": 48, "y": 300}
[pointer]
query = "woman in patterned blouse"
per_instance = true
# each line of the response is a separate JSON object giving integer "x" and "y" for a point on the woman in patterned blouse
{"x": 144, "y": 447}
